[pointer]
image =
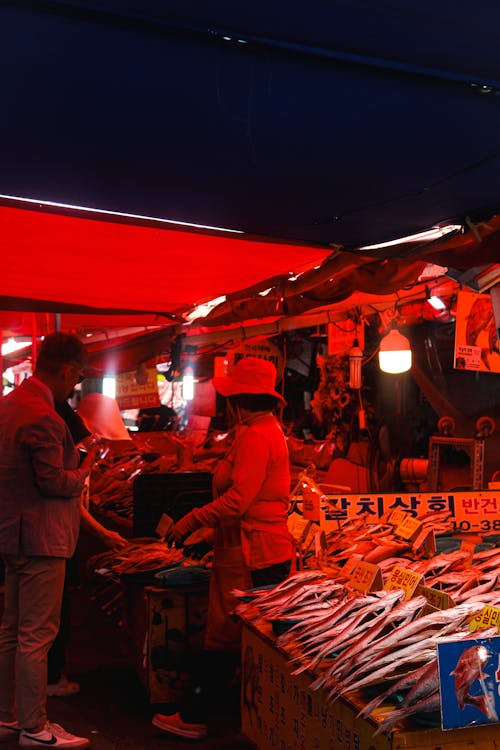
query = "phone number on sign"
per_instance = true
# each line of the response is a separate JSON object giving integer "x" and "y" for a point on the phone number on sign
{"x": 484, "y": 524}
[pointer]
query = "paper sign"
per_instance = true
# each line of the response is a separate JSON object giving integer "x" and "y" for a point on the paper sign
{"x": 260, "y": 348}
{"x": 476, "y": 338}
{"x": 409, "y": 528}
{"x": 137, "y": 392}
{"x": 477, "y": 512}
{"x": 488, "y": 616}
{"x": 402, "y": 578}
{"x": 437, "y": 599}
{"x": 311, "y": 504}
{"x": 366, "y": 577}
{"x": 469, "y": 682}
{"x": 164, "y": 525}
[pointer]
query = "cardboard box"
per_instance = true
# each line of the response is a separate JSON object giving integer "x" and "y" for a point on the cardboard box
{"x": 280, "y": 712}
{"x": 167, "y": 627}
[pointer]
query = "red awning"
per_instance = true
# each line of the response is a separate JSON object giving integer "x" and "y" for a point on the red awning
{"x": 53, "y": 262}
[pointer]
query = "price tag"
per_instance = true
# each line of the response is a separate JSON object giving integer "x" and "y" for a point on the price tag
{"x": 428, "y": 610}
{"x": 402, "y": 578}
{"x": 437, "y": 599}
{"x": 425, "y": 541}
{"x": 351, "y": 564}
{"x": 468, "y": 546}
{"x": 488, "y": 616}
{"x": 397, "y": 517}
{"x": 164, "y": 525}
{"x": 366, "y": 577}
{"x": 409, "y": 528}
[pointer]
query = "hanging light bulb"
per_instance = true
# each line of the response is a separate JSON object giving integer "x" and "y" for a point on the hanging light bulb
{"x": 394, "y": 353}
{"x": 433, "y": 300}
{"x": 355, "y": 360}
{"x": 188, "y": 384}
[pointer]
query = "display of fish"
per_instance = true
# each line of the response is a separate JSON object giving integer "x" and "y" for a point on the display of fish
{"x": 350, "y": 641}
{"x": 365, "y": 611}
{"x": 425, "y": 680}
{"x": 486, "y": 583}
{"x": 301, "y": 589}
{"x": 402, "y": 613}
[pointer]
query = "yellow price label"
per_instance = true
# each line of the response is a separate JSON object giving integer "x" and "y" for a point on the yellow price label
{"x": 409, "y": 528}
{"x": 402, "y": 578}
{"x": 486, "y": 618}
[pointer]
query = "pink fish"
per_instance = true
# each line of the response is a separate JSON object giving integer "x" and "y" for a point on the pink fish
{"x": 469, "y": 669}
{"x": 488, "y": 583}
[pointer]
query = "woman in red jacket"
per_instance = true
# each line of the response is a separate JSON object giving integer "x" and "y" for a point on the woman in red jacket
{"x": 253, "y": 546}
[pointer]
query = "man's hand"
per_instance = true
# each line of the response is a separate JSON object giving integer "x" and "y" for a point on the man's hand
{"x": 113, "y": 540}
{"x": 90, "y": 459}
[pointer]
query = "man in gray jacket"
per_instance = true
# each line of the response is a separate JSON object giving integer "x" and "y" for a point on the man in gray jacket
{"x": 41, "y": 480}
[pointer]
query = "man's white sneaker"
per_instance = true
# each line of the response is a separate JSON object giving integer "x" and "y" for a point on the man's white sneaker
{"x": 53, "y": 735}
{"x": 9, "y": 730}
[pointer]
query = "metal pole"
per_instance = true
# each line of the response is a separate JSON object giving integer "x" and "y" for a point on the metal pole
{"x": 1, "y": 365}
{"x": 33, "y": 342}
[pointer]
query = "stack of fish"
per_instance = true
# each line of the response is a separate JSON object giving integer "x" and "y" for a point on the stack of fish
{"x": 352, "y": 641}
{"x": 139, "y": 556}
{"x": 111, "y": 481}
{"x": 105, "y": 570}
{"x": 377, "y": 543}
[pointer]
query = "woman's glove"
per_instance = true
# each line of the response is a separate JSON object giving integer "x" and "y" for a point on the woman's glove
{"x": 197, "y": 544}
{"x": 182, "y": 528}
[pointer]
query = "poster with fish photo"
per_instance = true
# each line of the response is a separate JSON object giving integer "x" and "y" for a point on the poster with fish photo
{"x": 469, "y": 673}
{"x": 476, "y": 336}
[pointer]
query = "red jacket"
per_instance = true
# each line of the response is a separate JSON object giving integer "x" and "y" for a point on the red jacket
{"x": 40, "y": 482}
{"x": 253, "y": 488}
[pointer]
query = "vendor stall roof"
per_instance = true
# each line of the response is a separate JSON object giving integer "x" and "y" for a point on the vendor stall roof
{"x": 304, "y": 131}
{"x": 61, "y": 263}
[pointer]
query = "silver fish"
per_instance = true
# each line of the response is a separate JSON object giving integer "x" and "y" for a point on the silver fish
{"x": 431, "y": 703}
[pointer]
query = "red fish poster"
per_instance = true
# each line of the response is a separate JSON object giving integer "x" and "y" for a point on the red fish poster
{"x": 469, "y": 677}
{"x": 476, "y": 336}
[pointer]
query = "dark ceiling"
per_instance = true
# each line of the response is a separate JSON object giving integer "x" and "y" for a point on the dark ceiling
{"x": 318, "y": 122}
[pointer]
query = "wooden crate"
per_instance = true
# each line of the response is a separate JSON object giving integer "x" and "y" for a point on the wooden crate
{"x": 279, "y": 711}
{"x": 166, "y": 626}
